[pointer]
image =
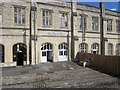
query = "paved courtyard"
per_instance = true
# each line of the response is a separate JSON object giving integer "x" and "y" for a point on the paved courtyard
{"x": 57, "y": 75}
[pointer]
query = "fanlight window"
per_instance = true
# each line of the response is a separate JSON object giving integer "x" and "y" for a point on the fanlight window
{"x": 46, "y": 46}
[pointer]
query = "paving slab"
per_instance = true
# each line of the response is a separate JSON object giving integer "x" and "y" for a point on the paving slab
{"x": 57, "y": 75}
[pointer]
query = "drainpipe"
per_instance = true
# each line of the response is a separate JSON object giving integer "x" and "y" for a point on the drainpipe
{"x": 33, "y": 10}
{"x": 30, "y": 42}
{"x": 102, "y": 42}
{"x": 35, "y": 38}
{"x": 73, "y": 13}
{"x": 72, "y": 32}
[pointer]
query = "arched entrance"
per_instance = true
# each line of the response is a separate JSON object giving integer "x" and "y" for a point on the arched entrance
{"x": 2, "y": 53}
{"x": 19, "y": 53}
{"x": 63, "y": 52}
{"x": 46, "y": 52}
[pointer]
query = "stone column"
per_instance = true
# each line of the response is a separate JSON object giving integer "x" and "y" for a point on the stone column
{"x": 105, "y": 37}
{"x": 34, "y": 32}
{"x": 55, "y": 52}
{"x": 8, "y": 53}
{"x": 102, "y": 43}
{"x": 73, "y": 27}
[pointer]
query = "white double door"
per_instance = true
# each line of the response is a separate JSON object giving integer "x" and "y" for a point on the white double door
{"x": 63, "y": 55}
{"x": 46, "y": 56}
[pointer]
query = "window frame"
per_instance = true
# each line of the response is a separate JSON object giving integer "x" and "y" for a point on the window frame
{"x": 63, "y": 49}
{"x": 21, "y": 15}
{"x": 118, "y": 26}
{"x": 80, "y": 26}
{"x": 50, "y": 11}
{"x": 60, "y": 19}
{"x": 111, "y": 26}
{"x": 83, "y": 49}
{"x": 95, "y": 25}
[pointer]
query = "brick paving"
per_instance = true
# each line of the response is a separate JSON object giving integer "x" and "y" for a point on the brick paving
{"x": 74, "y": 77}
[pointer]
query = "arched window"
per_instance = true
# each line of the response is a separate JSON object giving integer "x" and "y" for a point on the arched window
{"x": 19, "y": 47}
{"x": 63, "y": 52}
{"x": 2, "y": 53}
{"x": 95, "y": 48}
{"x": 46, "y": 46}
{"x": 83, "y": 47}
{"x": 110, "y": 49}
{"x": 63, "y": 49}
{"x": 118, "y": 49}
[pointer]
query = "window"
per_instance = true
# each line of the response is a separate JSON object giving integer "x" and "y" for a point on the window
{"x": 46, "y": 46}
{"x": 109, "y": 25}
{"x": 47, "y": 18}
{"x": 60, "y": 52}
{"x": 63, "y": 19}
{"x": 83, "y": 21}
{"x": 0, "y": 14}
{"x": 95, "y": 48}
{"x": 83, "y": 47}
{"x": 63, "y": 49}
{"x": 118, "y": 49}
{"x": 94, "y": 23}
{"x": 43, "y": 53}
{"x": 118, "y": 26}
{"x": 65, "y": 53}
{"x": 19, "y": 15}
{"x": 110, "y": 49}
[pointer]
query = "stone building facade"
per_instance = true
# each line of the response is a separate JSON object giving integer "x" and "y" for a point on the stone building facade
{"x": 51, "y": 32}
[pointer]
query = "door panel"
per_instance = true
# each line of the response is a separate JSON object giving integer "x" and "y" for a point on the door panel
{"x": 63, "y": 58}
{"x": 63, "y": 55}
{"x": 46, "y": 52}
{"x": 44, "y": 56}
{"x": 49, "y": 56}
{"x": 20, "y": 57}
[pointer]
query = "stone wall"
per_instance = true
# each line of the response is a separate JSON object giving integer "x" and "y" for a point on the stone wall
{"x": 12, "y": 34}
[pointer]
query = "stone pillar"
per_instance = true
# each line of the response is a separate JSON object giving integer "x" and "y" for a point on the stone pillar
{"x": 102, "y": 43}
{"x": 105, "y": 35}
{"x": 55, "y": 52}
{"x": 34, "y": 32}
{"x": 73, "y": 27}
{"x": 114, "y": 25}
{"x": 89, "y": 26}
{"x": 114, "y": 48}
{"x": 27, "y": 62}
{"x": 89, "y": 47}
{"x": 8, "y": 53}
